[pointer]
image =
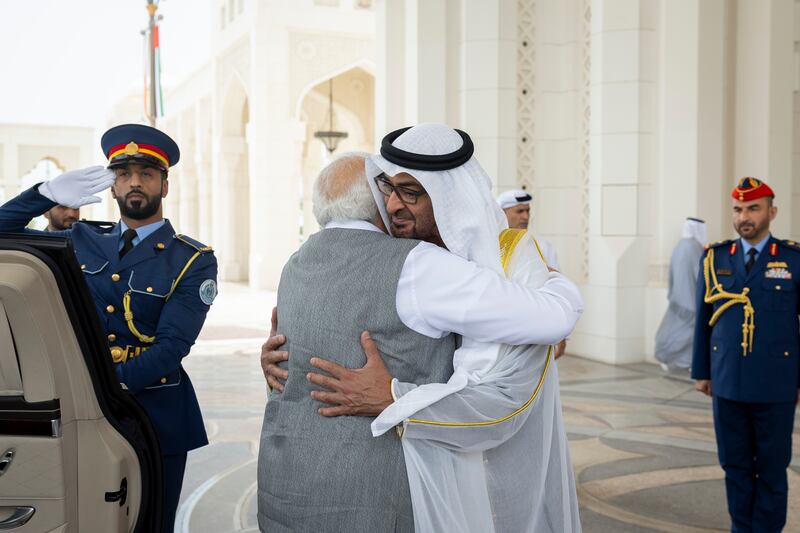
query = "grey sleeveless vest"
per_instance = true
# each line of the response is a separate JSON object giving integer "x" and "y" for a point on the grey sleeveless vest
{"x": 329, "y": 474}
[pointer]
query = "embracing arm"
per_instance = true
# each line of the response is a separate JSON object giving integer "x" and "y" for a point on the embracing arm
{"x": 439, "y": 293}
{"x": 486, "y": 413}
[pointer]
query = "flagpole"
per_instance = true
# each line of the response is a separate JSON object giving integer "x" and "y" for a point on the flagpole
{"x": 152, "y": 7}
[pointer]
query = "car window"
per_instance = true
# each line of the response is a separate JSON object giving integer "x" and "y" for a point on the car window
{"x": 10, "y": 381}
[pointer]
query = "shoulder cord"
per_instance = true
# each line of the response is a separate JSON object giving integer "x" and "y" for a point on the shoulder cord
{"x": 126, "y": 303}
{"x": 716, "y": 293}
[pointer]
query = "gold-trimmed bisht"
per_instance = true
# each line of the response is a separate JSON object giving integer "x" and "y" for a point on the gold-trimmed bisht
{"x": 509, "y": 238}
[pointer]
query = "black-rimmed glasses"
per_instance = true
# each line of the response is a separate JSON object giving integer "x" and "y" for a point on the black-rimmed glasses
{"x": 407, "y": 195}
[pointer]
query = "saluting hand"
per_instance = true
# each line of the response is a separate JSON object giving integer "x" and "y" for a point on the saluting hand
{"x": 77, "y": 188}
{"x": 364, "y": 391}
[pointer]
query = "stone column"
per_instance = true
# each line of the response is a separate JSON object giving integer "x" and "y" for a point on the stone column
{"x": 186, "y": 215}
{"x": 275, "y": 140}
{"x": 694, "y": 130}
{"x": 490, "y": 85}
{"x": 205, "y": 165}
{"x": 764, "y": 84}
{"x": 229, "y": 152}
{"x": 552, "y": 98}
{"x": 420, "y": 68}
{"x": 622, "y": 128}
{"x": 425, "y": 61}
{"x": 390, "y": 87}
{"x": 172, "y": 203}
{"x": 172, "y": 209}
{"x": 693, "y": 126}
{"x": 188, "y": 195}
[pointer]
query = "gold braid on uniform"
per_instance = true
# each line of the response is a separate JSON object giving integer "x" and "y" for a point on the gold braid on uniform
{"x": 126, "y": 304}
{"x": 716, "y": 293}
{"x": 126, "y": 300}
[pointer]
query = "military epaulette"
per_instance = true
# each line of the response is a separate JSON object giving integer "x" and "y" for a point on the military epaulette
{"x": 200, "y": 247}
{"x": 792, "y": 245}
{"x": 718, "y": 244}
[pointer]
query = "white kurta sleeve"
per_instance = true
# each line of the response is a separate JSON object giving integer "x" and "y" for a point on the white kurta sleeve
{"x": 439, "y": 292}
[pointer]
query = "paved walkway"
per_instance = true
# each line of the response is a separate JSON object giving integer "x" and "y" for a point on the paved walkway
{"x": 642, "y": 441}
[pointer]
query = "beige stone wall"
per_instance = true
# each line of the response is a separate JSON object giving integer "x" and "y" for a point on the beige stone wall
{"x": 623, "y": 117}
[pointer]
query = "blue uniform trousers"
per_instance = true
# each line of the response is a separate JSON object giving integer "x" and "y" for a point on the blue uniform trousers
{"x": 754, "y": 443}
{"x": 173, "y": 467}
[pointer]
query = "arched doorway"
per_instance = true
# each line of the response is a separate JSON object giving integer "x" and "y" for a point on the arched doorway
{"x": 353, "y": 111}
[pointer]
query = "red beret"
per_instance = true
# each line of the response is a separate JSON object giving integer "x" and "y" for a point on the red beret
{"x": 750, "y": 189}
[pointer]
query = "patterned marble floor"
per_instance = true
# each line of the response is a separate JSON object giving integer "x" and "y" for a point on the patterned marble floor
{"x": 641, "y": 440}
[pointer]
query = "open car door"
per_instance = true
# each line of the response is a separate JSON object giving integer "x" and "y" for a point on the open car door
{"x": 77, "y": 453}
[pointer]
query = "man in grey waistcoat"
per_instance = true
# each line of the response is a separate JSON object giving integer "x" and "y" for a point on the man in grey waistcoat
{"x": 329, "y": 474}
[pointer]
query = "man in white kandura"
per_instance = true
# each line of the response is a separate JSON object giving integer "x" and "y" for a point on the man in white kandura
{"x": 675, "y": 335}
{"x": 516, "y": 204}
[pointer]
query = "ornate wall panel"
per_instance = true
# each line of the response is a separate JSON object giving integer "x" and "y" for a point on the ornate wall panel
{"x": 585, "y": 132}
{"x": 526, "y": 91}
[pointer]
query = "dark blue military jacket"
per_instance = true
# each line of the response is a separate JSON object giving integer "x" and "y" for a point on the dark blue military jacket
{"x": 147, "y": 341}
{"x": 768, "y": 373}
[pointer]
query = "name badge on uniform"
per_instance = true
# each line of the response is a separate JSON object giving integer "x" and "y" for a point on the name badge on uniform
{"x": 724, "y": 272}
{"x": 778, "y": 273}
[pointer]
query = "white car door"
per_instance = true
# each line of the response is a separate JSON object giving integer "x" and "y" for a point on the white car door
{"x": 77, "y": 453}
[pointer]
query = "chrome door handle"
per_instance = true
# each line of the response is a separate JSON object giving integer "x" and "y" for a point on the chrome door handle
{"x": 18, "y": 519}
{"x": 5, "y": 461}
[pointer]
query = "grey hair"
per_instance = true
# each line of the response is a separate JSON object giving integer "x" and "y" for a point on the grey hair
{"x": 341, "y": 191}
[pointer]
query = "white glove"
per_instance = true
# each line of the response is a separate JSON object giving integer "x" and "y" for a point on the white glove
{"x": 77, "y": 188}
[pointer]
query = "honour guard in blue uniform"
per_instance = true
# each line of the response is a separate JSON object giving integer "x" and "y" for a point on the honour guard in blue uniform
{"x": 152, "y": 287}
{"x": 746, "y": 349}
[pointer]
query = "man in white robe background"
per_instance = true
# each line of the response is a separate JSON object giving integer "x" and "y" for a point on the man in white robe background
{"x": 676, "y": 331}
{"x": 516, "y": 204}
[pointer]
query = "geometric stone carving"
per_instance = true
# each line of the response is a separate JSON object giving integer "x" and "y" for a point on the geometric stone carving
{"x": 526, "y": 79}
{"x": 585, "y": 133}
